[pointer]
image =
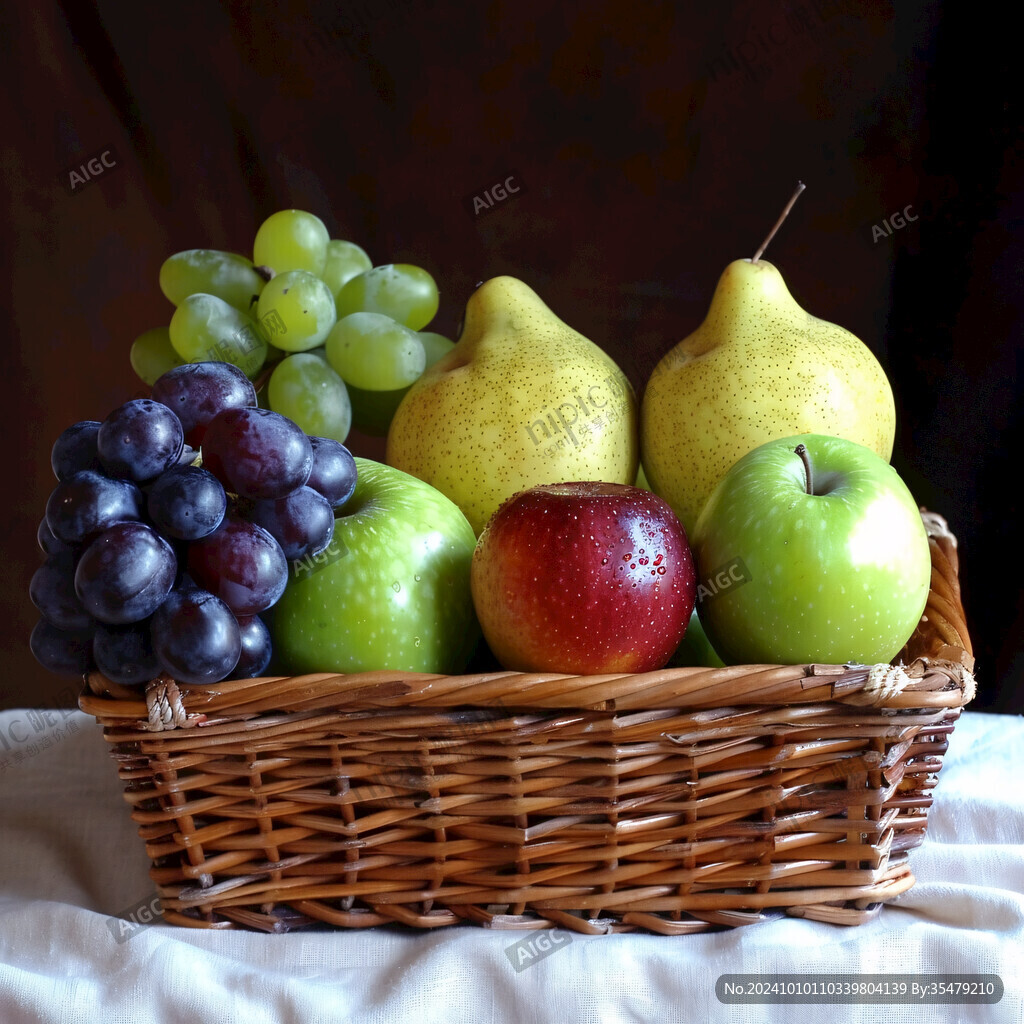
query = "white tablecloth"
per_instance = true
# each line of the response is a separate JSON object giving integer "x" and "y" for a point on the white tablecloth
{"x": 71, "y": 862}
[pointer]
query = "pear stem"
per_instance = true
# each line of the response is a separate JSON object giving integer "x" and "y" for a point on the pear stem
{"x": 800, "y": 186}
{"x": 801, "y": 450}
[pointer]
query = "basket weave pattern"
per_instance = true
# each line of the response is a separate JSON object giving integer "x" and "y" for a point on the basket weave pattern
{"x": 672, "y": 801}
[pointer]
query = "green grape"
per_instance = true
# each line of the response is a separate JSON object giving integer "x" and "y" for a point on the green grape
{"x": 207, "y": 328}
{"x": 225, "y": 274}
{"x": 152, "y": 354}
{"x": 306, "y": 390}
{"x": 291, "y": 240}
{"x": 435, "y": 345}
{"x": 296, "y": 311}
{"x": 374, "y": 352}
{"x": 344, "y": 261}
{"x": 401, "y": 291}
{"x": 274, "y": 354}
{"x": 372, "y": 411}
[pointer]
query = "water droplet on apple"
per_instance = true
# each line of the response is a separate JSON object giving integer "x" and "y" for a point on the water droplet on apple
{"x": 396, "y": 586}
{"x": 416, "y": 641}
{"x": 661, "y": 570}
{"x": 417, "y": 579}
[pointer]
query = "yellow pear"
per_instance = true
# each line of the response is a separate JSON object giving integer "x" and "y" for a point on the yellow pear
{"x": 522, "y": 399}
{"x": 758, "y": 368}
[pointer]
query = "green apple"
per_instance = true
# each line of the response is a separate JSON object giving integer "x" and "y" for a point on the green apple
{"x": 811, "y": 549}
{"x": 695, "y": 651}
{"x": 390, "y": 592}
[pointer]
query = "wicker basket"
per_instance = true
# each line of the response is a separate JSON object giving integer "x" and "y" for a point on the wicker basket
{"x": 673, "y": 801}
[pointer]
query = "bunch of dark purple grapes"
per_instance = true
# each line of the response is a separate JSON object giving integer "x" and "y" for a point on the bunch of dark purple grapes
{"x": 157, "y": 564}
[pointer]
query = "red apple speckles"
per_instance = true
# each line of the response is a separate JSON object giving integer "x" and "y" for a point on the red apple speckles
{"x": 583, "y": 577}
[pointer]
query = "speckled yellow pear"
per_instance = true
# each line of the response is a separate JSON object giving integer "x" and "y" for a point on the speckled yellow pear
{"x": 758, "y": 368}
{"x": 522, "y": 399}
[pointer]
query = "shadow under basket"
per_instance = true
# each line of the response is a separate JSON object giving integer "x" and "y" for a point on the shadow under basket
{"x": 674, "y": 801}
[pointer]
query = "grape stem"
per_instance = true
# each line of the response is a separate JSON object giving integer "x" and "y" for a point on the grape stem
{"x": 800, "y": 186}
{"x": 261, "y": 379}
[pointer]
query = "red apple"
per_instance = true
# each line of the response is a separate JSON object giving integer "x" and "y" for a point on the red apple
{"x": 584, "y": 578}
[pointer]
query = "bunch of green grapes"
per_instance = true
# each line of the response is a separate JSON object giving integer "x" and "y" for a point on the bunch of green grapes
{"x": 330, "y": 339}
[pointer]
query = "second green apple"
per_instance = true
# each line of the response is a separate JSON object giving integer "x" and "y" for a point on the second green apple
{"x": 811, "y": 549}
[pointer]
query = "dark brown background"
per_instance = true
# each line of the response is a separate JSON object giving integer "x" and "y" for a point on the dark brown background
{"x": 653, "y": 142}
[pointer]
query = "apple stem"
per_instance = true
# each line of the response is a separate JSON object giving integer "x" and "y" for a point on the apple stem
{"x": 801, "y": 450}
{"x": 800, "y": 186}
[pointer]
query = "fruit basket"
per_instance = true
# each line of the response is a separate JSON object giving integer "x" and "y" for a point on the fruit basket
{"x": 673, "y": 801}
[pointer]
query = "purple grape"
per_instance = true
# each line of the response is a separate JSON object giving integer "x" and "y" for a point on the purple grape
{"x": 256, "y": 648}
{"x": 301, "y": 522}
{"x": 257, "y": 453}
{"x": 187, "y": 502}
{"x": 75, "y": 449}
{"x": 124, "y": 654}
{"x": 139, "y": 440}
{"x": 125, "y": 574}
{"x": 242, "y": 564}
{"x": 86, "y": 503}
{"x": 48, "y": 543}
{"x": 60, "y": 651}
{"x": 196, "y": 638}
{"x": 187, "y": 456}
{"x": 52, "y": 591}
{"x": 334, "y": 470}
{"x": 196, "y": 392}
